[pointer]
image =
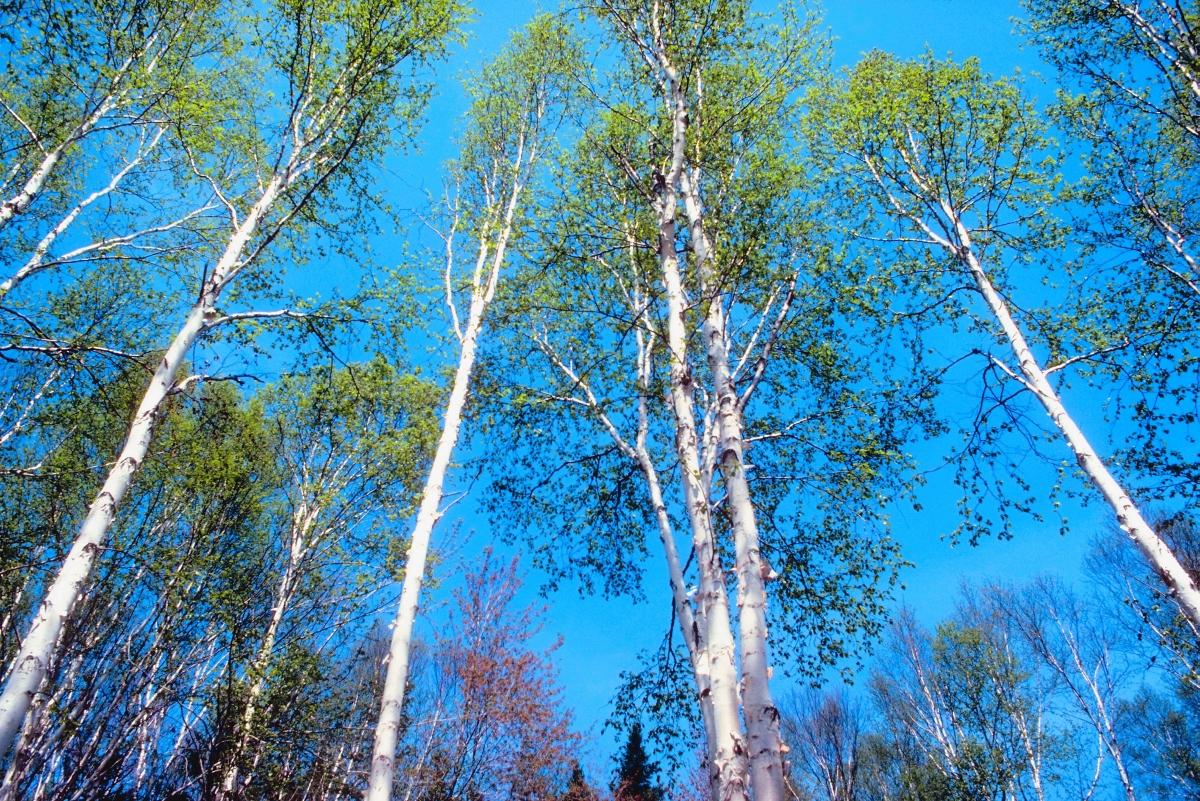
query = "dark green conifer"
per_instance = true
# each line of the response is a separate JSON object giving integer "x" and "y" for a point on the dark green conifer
{"x": 578, "y": 788}
{"x": 635, "y": 777}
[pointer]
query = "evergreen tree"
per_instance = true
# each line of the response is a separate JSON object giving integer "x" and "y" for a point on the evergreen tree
{"x": 578, "y": 788}
{"x": 635, "y": 777}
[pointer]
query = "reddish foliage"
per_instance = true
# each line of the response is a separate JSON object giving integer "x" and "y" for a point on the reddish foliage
{"x": 497, "y": 728}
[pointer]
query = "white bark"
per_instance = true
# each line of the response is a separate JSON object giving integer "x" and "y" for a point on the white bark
{"x": 758, "y": 707}
{"x": 1079, "y": 656}
{"x": 19, "y": 202}
{"x": 827, "y": 729}
{"x": 929, "y": 712}
{"x": 729, "y": 750}
{"x": 486, "y": 277}
{"x": 1180, "y": 584}
{"x": 1179, "y": 50}
{"x": 115, "y": 93}
{"x": 1030, "y": 373}
{"x": 32, "y": 661}
{"x": 764, "y": 745}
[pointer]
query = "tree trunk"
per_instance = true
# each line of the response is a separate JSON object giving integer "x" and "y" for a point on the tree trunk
{"x": 758, "y": 707}
{"x": 1180, "y": 584}
{"x": 692, "y": 623}
{"x": 37, "y": 261}
{"x": 38, "y": 647}
{"x": 729, "y": 750}
{"x": 383, "y": 759}
{"x": 33, "y": 186}
{"x": 19, "y": 202}
{"x": 689, "y": 622}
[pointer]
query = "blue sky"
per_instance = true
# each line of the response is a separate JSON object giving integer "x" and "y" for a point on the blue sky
{"x": 601, "y": 638}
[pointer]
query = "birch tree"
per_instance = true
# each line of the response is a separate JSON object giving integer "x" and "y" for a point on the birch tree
{"x": 726, "y": 313}
{"x": 652, "y": 37}
{"x": 516, "y": 106}
{"x": 1137, "y": 63}
{"x": 143, "y": 637}
{"x": 351, "y": 443}
{"x": 341, "y": 64}
{"x": 1147, "y": 614}
{"x": 92, "y": 98}
{"x": 1154, "y": 713}
{"x": 959, "y": 163}
{"x": 1059, "y": 632}
{"x": 95, "y": 182}
{"x": 1130, "y": 108}
{"x": 973, "y": 712}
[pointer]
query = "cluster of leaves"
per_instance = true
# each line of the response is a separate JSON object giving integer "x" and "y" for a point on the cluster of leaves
{"x": 825, "y": 440}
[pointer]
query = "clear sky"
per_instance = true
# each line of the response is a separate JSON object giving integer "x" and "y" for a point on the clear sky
{"x": 602, "y": 638}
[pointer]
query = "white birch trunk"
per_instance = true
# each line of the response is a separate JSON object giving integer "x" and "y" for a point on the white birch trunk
{"x": 118, "y": 86}
{"x": 691, "y": 623}
{"x": 758, "y": 707}
{"x": 1180, "y": 584}
{"x": 1093, "y": 703}
{"x": 306, "y": 517}
{"x": 387, "y": 732}
{"x": 729, "y": 750}
{"x": 30, "y": 665}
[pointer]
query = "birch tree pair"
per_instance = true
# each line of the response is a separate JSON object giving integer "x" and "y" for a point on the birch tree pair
{"x": 684, "y": 308}
{"x": 738, "y": 760}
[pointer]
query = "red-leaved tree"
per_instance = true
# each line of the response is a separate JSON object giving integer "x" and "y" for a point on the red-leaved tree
{"x": 487, "y": 720}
